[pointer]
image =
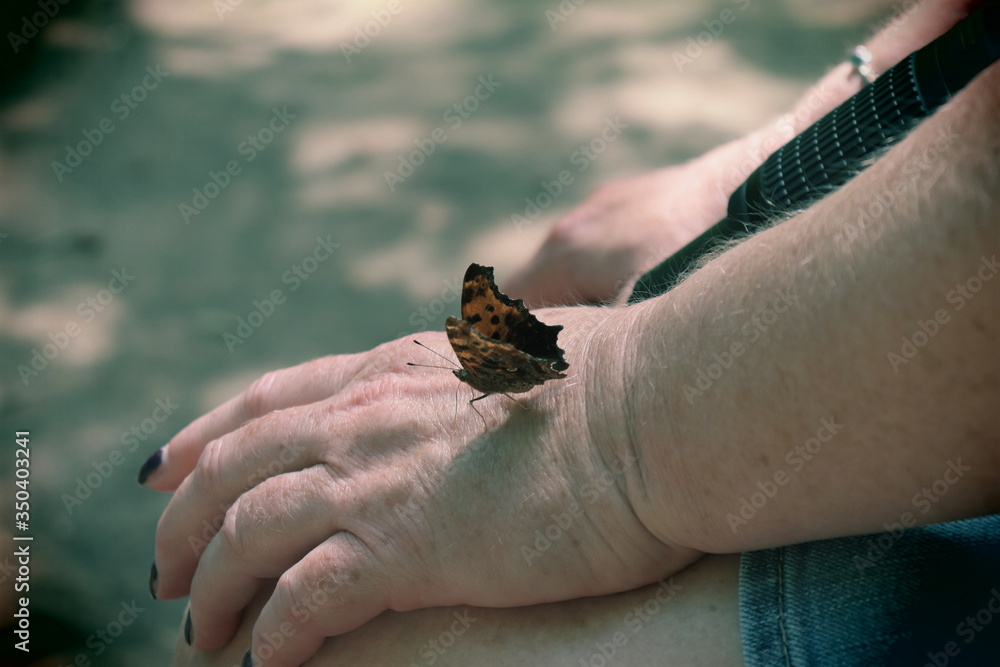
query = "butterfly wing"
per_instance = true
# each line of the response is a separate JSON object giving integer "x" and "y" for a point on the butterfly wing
{"x": 493, "y": 366}
{"x": 498, "y": 317}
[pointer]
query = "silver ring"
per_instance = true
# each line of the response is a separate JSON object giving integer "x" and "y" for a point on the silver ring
{"x": 861, "y": 60}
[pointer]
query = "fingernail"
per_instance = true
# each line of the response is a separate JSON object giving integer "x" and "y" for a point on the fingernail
{"x": 150, "y": 466}
{"x": 247, "y": 660}
{"x": 152, "y": 580}
{"x": 187, "y": 628}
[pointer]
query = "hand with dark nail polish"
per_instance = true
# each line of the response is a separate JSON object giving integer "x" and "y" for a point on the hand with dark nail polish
{"x": 341, "y": 477}
{"x": 153, "y": 576}
{"x": 150, "y": 466}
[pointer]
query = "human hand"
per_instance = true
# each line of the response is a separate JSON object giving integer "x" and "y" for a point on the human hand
{"x": 360, "y": 486}
{"x": 624, "y": 228}
{"x": 691, "y": 617}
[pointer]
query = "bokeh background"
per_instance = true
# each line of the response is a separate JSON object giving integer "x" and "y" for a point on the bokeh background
{"x": 355, "y": 84}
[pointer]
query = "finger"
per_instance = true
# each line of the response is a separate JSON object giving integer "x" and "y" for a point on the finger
{"x": 279, "y": 442}
{"x": 254, "y": 545}
{"x": 300, "y": 385}
{"x": 229, "y": 656}
{"x": 332, "y": 590}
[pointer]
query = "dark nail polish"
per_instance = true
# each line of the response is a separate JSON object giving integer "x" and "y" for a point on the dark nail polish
{"x": 150, "y": 466}
{"x": 187, "y": 628}
{"x": 247, "y": 660}
{"x": 153, "y": 574}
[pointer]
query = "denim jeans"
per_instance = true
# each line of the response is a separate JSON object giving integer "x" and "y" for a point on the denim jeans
{"x": 910, "y": 596}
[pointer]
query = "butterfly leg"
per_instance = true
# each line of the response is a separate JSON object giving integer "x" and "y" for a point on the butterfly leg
{"x": 477, "y": 411}
{"x": 519, "y": 403}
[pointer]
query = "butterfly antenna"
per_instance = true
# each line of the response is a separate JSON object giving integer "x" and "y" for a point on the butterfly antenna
{"x": 410, "y": 363}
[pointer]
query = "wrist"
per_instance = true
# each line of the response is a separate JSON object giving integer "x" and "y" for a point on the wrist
{"x": 598, "y": 344}
{"x": 606, "y": 352}
{"x": 662, "y": 490}
{"x": 595, "y": 445}
{"x": 630, "y": 424}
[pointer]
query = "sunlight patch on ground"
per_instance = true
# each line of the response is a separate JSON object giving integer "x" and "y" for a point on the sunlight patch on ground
{"x": 409, "y": 265}
{"x": 68, "y": 328}
{"x": 604, "y": 20}
{"x": 315, "y": 25}
{"x": 330, "y": 144}
{"x": 505, "y": 248}
{"x": 217, "y": 391}
{"x": 723, "y": 95}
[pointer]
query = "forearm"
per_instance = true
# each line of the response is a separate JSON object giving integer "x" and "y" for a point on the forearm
{"x": 911, "y": 28}
{"x": 782, "y": 368}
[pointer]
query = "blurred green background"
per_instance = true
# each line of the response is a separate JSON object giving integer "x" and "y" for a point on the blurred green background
{"x": 126, "y": 306}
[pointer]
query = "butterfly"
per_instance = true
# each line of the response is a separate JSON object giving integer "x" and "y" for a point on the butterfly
{"x": 503, "y": 348}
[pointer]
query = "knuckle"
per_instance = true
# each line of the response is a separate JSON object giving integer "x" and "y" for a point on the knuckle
{"x": 233, "y": 529}
{"x": 211, "y": 467}
{"x": 164, "y": 542}
{"x": 257, "y": 397}
{"x": 288, "y": 596}
{"x": 324, "y": 589}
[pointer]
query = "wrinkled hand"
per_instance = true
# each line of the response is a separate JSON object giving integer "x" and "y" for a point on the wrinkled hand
{"x": 356, "y": 482}
{"x": 595, "y": 252}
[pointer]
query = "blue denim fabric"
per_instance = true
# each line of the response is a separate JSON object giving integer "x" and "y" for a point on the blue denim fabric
{"x": 927, "y": 596}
